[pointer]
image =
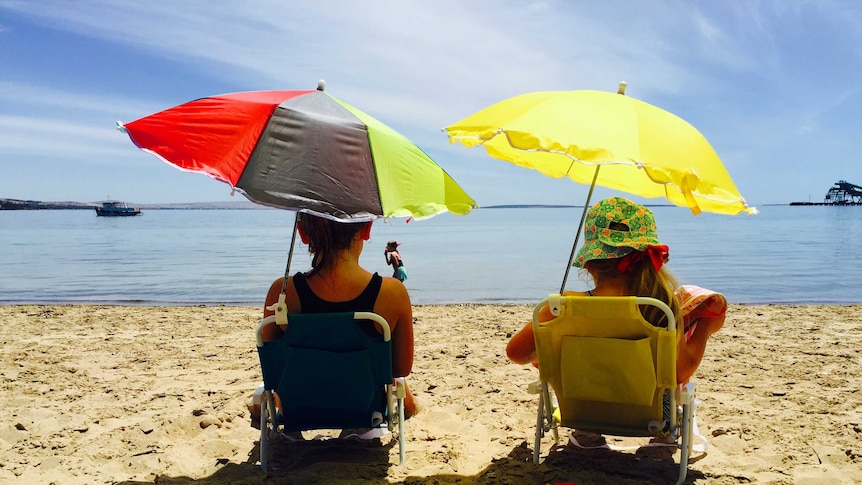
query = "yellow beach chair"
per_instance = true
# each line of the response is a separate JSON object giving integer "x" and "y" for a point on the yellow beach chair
{"x": 606, "y": 370}
{"x": 329, "y": 373}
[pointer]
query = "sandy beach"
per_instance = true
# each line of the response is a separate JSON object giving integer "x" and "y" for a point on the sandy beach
{"x": 112, "y": 394}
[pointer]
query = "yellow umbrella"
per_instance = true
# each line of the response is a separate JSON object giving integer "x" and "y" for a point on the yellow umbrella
{"x": 640, "y": 149}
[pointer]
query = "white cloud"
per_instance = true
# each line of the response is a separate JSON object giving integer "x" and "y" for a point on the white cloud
{"x": 420, "y": 66}
{"x": 33, "y": 137}
{"x": 52, "y": 100}
{"x": 476, "y": 51}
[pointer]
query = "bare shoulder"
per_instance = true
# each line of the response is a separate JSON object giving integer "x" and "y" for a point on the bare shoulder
{"x": 277, "y": 283}
{"x": 393, "y": 302}
{"x": 392, "y": 288}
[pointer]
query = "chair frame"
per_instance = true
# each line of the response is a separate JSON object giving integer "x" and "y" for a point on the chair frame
{"x": 681, "y": 401}
{"x": 270, "y": 427}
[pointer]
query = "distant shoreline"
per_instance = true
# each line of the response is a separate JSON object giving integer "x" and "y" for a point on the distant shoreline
{"x": 19, "y": 204}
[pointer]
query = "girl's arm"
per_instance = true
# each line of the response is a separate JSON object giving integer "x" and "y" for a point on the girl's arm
{"x": 521, "y": 348}
{"x": 690, "y": 353}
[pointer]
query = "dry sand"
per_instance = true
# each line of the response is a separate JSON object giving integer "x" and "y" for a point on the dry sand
{"x": 109, "y": 394}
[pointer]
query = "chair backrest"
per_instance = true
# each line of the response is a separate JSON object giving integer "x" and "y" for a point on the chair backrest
{"x": 611, "y": 370}
{"x": 329, "y": 370}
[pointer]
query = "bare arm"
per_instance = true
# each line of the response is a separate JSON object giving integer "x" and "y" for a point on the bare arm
{"x": 690, "y": 353}
{"x": 272, "y": 331}
{"x": 393, "y": 303}
{"x": 521, "y": 348}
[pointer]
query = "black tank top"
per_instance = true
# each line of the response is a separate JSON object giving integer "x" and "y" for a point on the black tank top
{"x": 312, "y": 303}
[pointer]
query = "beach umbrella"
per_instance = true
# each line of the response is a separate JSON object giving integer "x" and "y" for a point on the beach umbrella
{"x": 607, "y": 139}
{"x": 304, "y": 151}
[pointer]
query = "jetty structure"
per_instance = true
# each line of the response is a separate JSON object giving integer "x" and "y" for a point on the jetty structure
{"x": 842, "y": 193}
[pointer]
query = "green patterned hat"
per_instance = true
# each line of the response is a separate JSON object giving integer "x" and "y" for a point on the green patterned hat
{"x": 601, "y": 242}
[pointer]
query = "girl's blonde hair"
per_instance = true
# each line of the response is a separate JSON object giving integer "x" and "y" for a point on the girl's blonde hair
{"x": 642, "y": 280}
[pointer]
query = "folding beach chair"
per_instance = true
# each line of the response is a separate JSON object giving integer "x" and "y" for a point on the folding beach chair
{"x": 610, "y": 372}
{"x": 329, "y": 373}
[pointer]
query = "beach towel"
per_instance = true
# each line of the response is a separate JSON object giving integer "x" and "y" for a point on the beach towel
{"x": 696, "y": 303}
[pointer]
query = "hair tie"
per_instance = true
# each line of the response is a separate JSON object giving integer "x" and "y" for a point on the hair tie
{"x": 658, "y": 255}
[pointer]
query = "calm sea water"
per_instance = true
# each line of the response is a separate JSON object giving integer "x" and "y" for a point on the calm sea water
{"x": 783, "y": 255}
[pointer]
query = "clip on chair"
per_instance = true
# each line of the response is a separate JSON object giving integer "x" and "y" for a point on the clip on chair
{"x": 612, "y": 372}
{"x": 329, "y": 373}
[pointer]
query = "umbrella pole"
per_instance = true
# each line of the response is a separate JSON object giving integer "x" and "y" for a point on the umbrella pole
{"x": 580, "y": 226}
{"x": 289, "y": 256}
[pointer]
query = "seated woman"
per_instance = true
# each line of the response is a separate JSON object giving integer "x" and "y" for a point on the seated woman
{"x": 622, "y": 255}
{"x": 336, "y": 283}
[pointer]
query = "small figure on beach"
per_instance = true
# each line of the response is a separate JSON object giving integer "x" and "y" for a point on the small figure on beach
{"x": 623, "y": 257}
{"x": 393, "y": 258}
{"x": 337, "y": 283}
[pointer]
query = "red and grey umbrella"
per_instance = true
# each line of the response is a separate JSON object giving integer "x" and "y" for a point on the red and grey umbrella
{"x": 304, "y": 151}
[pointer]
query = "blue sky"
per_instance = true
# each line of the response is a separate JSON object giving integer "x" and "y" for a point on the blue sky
{"x": 774, "y": 85}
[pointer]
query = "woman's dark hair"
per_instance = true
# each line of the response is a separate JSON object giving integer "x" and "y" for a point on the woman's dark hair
{"x": 326, "y": 237}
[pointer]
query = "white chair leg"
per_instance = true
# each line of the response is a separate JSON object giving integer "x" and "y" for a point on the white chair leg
{"x": 402, "y": 438}
{"x": 550, "y": 405}
{"x": 401, "y": 393}
{"x": 540, "y": 423}
{"x": 264, "y": 435}
{"x": 687, "y": 399}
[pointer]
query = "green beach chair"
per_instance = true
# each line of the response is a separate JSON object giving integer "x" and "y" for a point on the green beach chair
{"x": 330, "y": 371}
{"x": 604, "y": 369}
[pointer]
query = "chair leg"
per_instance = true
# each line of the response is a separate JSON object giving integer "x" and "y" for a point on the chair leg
{"x": 402, "y": 438}
{"x": 264, "y": 435}
{"x": 550, "y": 405}
{"x": 540, "y": 423}
{"x": 685, "y": 448}
{"x": 401, "y": 393}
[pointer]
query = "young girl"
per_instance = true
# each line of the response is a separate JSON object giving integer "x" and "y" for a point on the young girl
{"x": 393, "y": 258}
{"x": 623, "y": 256}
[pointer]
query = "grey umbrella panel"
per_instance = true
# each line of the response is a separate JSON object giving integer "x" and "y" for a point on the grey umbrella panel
{"x": 314, "y": 156}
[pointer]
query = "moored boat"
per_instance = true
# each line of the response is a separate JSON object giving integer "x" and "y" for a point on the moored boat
{"x": 116, "y": 208}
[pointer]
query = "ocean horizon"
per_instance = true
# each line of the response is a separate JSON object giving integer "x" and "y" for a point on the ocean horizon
{"x": 784, "y": 255}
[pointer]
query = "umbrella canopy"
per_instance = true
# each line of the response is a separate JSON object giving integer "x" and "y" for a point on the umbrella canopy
{"x": 304, "y": 151}
{"x": 641, "y": 149}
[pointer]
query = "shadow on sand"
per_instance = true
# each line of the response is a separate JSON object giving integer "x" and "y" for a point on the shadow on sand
{"x": 350, "y": 461}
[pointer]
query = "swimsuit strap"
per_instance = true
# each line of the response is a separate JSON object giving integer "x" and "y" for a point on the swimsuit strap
{"x": 311, "y": 303}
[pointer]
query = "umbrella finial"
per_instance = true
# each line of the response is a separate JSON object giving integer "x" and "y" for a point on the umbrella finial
{"x": 622, "y": 88}
{"x": 321, "y": 85}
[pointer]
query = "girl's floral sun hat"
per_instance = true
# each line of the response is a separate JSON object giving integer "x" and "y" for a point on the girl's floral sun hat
{"x": 602, "y": 242}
